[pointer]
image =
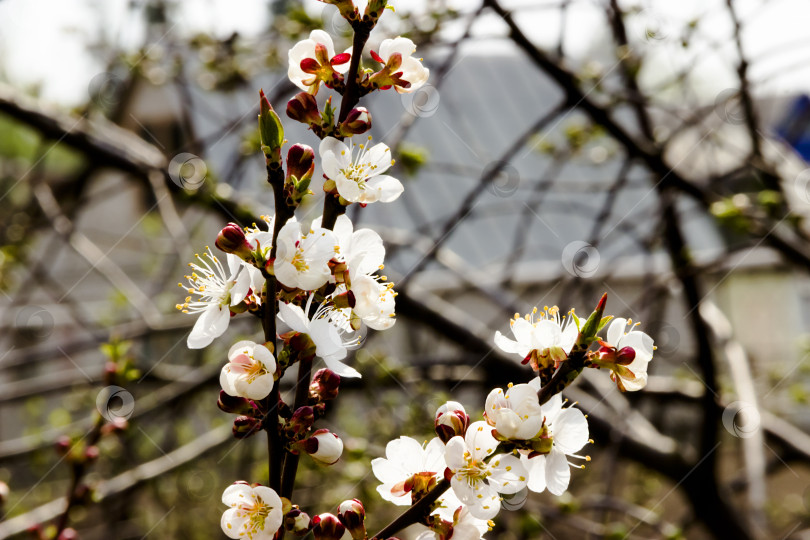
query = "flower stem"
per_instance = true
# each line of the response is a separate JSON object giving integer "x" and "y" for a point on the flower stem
{"x": 415, "y": 513}
{"x": 301, "y": 394}
{"x": 565, "y": 375}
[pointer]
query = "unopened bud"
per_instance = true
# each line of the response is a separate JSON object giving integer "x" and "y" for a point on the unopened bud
{"x": 236, "y": 405}
{"x": 63, "y": 445}
{"x": 91, "y": 453}
{"x": 625, "y": 356}
{"x": 245, "y": 426}
{"x": 4, "y": 492}
{"x": 297, "y": 521}
{"x": 231, "y": 239}
{"x": 358, "y": 121}
{"x": 302, "y": 419}
{"x": 374, "y": 9}
{"x": 68, "y": 534}
{"x": 324, "y": 385}
{"x": 327, "y": 527}
{"x": 300, "y": 165}
{"x": 270, "y": 129}
{"x": 451, "y": 420}
{"x": 324, "y": 446}
{"x": 303, "y": 108}
{"x": 352, "y": 515}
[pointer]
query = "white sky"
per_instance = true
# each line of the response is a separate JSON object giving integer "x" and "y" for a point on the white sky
{"x": 43, "y": 41}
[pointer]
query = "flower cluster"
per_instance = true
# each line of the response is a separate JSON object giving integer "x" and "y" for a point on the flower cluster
{"x": 314, "y": 287}
{"x": 522, "y": 443}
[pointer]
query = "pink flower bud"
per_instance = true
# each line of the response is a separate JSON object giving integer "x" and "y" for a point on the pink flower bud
{"x": 245, "y": 426}
{"x": 451, "y": 420}
{"x": 303, "y": 108}
{"x": 327, "y": 527}
{"x": 91, "y": 453}
{"x": 231, "y": 239}
{"x": 352, "y": 514}
{"x": 236, "y": 405}
{"x": 68, "y": 534}
{"x": 358, "y": 121}
{"x": 324, "y": 385}
{"x": 297, "y": 521}
{"x": 324, "y": 446}
{"x": 302, "y": 419}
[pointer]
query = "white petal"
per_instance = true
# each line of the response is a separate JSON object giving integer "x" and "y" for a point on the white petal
{"x": 387, "y": 472}
{"x": 523, "y": 332}
{"x": 479, "y": 440}
{"x": 552, "y": 407}
{"x": 232, "y": 524}
{"x": 241, "y": 286}
{"x": 387, "y": 188}
{"x": 558, "y": 472}
{"x": 454, "y": 453}
{"x": 227, "y": 381}
{"x": 259, "y": 389}
{"x": 615, "y": 331}
{"x": 570, "y": 431}
{"x": 508, "y": 474}
{"x": 348, "y": 189}
{"x": 211, "y": 324}
{"x": 341, "y": 369}
{"x": 293, "y": 316}
{"x": 536, "y": 467}
{"x": 236, "y": 494}
{"x": 509, "y": 346}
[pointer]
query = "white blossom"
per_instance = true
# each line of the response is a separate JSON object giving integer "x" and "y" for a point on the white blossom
{"x": 401, "y": 69}
{"x": 357, "y": 170}
{"x": 547, "y": 338}
{"x": 477, "y": 482}
{"x": 515, "y": 414}
{"x": 629, "y": 370}
{"x": 249, "y": 371}
{"x": 567, "y": 428}
{"x": 318, "y": 55}
{"x": 302, "y": 259}
{"x": 326, "y": 334}
{"x": 216, "y": 289}
{"x": 404, "y": 458}
{"x": 255, "y": 512}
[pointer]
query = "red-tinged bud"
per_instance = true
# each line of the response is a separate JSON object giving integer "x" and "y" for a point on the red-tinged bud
{"x": 310, "y": 65}
{"x": 625, "y": 356}
{"x": 327, "y": 527}
{"x": 91, "y": 453}
{"x": 324, "y": 446}
{"x": 231, "y": 239}
{"x": 300, "y": 165}
{"x": 352, "y": 515}
{"x": 340, "y": 59}
{"x": 68, "y": 534}
{"x": 245, "y": 426}
{"x": 63, "y": 445}
{"x": 236, "y": 404}
{"x": 297, "y": 521}
{"x": 302, "y": 419}
{"x": 358, "y": 121}
{"x": 324, "y": 385}
{"x": 303, "y": 108}
{"x": 451, "y": 420}
{"x": 270, "y": 129}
